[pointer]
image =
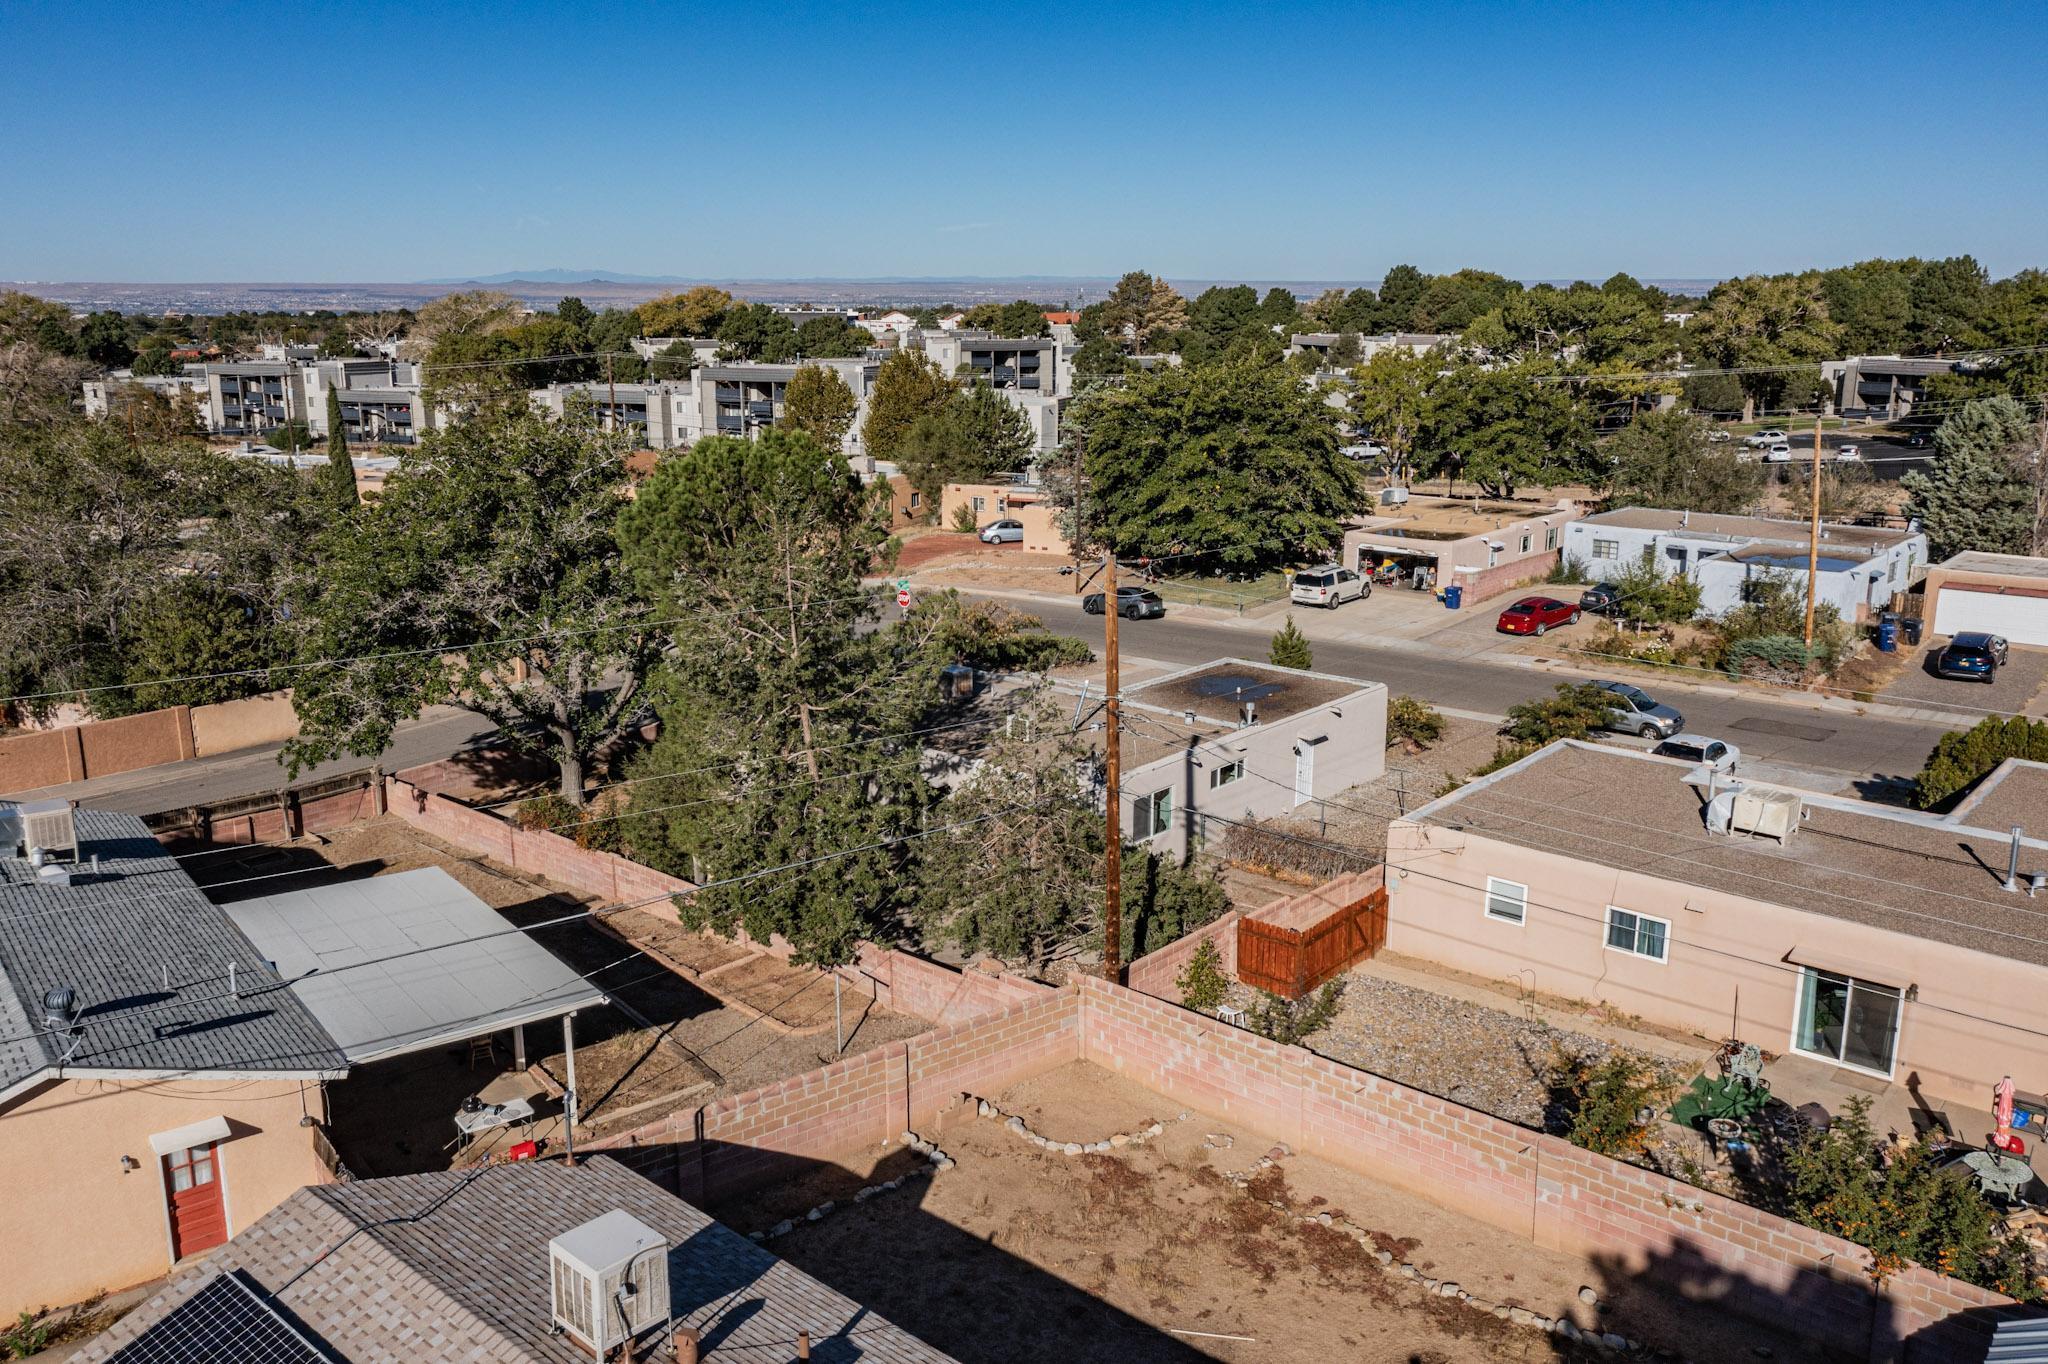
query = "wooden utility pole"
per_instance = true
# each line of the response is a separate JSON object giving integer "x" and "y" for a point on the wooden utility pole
{"x": 1113, "y": 854}
{"x": 1813, "y": 541}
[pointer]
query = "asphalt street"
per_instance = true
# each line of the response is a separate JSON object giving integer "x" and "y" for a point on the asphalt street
{"x": 1797, "y": 732}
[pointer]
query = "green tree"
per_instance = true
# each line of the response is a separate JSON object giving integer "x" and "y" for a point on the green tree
{"x": 819, "y": 404}
{"x": 338, "y": 478}
{"x": 574, "y": 312}
{"x": 778, "y": 699}
{"x": 830, "y": 338}
{"x": 1281, "y": 309}
{"x": 489, "y": 569}
{"x": 1389, "y": 397}
{"x": 1664, "y": 459}
{"x": 755, "y": 331}
{"x": 1400, "y": 295}
{"x": 1451, "y": 303}
{"x": 103, "y": 338}
{"x": 1290, "y": 648}
{"x": 1873, "y": 302}
{"x": 697, "y": 312}
{"x": 1976, "y": 495}
{"x": 1647, "y": 593}
{"x": 1235, "y": 463}
{"x": 1718, "y": 395}
{"x": 997, "y": 637}
{"x": 1141, "y": 310}
{"x": 1948, "y": 299}
{"x": 1764, "y": 321}
{"x": 1202, "y": 984}
{"x": 1962, "y": 758}
{"x": 1576, "y": 710}
{"x": 975, "y": 436}
{"x": 907, "y": 386}
{"x": 1502, "y": 428}
{"x": 193, "y": 628}
{"x": 154, "y": 358}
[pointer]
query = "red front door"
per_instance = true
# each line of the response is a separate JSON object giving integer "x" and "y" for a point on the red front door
{"x": 199, "y": 1215}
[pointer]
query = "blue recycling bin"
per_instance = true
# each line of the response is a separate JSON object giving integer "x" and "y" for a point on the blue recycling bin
{"x": 1454, "y": 596}
{"x": 1888, "y": 636}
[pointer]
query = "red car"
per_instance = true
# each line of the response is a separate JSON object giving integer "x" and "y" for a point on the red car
{"x": 1535, "y": 615}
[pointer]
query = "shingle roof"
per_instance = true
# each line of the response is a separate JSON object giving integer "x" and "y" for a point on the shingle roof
{"x": 149, "y": 956}
{"x": 453, "y": 1268}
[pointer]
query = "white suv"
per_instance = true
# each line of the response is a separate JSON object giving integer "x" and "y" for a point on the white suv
{"x": 1328, "y": 585}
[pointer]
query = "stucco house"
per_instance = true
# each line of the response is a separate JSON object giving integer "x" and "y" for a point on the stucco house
{"x": 1890, "y": 943}
{"x": 1861, "y": 567}
{"x": 2006, "y": 594}
{"x": 1484, "y": 545}
{"x": 159, "y": 1085}
{"x": 1237, "y": 740}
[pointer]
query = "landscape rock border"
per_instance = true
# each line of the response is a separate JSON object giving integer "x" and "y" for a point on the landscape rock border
{"x": 985, "y": 1108}
{"x": 936, "y": 1161}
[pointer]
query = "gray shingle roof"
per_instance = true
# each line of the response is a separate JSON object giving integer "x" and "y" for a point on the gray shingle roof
{"x": 148, "y": 955}
{"x": 468, "y": 1280}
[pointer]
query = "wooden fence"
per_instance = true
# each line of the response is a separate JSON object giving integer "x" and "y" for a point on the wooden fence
{"x": 1292, "y": 946}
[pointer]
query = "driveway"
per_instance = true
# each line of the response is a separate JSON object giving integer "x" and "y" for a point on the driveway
{"x": 2015, "y": 691}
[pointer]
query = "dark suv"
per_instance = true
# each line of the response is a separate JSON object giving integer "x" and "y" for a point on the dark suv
{"x": 1602, "y": 599}
{"x": 1972, "y": 656}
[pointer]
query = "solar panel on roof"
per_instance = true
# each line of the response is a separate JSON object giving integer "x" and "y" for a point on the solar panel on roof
{"x": 224, "y": 1321}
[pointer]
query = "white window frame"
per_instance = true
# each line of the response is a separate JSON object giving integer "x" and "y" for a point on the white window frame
{"x": 915, "y": 498}
{"x": 1224, "y": 774}
{"x": 1149, "y": 806}
{"x": 1607, "y": 549}
{"x": 980, "y": 505}
{"x": 1495, "y": 886}
{"x": 1607, "y": 934}
{"x": 1527, "y": 540}
{"x": 1799, "y": 1005}
{"x": 1549, "y": 538}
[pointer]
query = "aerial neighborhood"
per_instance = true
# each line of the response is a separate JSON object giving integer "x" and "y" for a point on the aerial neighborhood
{"x": 856, "y": 802}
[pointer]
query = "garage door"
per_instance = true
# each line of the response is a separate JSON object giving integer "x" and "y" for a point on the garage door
{"x": 2023, "y": 620}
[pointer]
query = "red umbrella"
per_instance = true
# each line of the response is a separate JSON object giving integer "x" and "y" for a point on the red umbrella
{"x": 2001, "y": 1104}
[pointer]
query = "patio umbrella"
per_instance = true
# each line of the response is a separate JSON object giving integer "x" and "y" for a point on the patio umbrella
{"x": 2001, "y": 1104}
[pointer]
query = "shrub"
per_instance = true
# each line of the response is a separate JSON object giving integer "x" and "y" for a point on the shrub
{"x": 963, "y": 519}
{"x": 1962, "y": 758}
{"x": 1271, "y": 847}
{"x": 1287, "y": 1021}
{"x": 1576, "y": 710}
{"x": 1901, "y": 1209}
{"x": 1762, "y": 655}
{"x": 1000, "y": 638}
{"x": 1202, "y": 983}
{"x": 1647, "y": 594}
{"x": 1568, "y": 569}
{"x": 1164, "y": 901}
{"x": 1414, "y": 721}
{"x": 593, "y": 826}
{"x": 1291, "y": 648}
{"x": 1606, "y": 1098}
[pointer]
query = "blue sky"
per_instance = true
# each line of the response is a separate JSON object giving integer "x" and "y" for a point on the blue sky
{"x": 384, "y": 142}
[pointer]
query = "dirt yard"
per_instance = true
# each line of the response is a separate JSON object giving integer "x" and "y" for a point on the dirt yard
{"x": 1151, "y": 1254}
{"x": 666, "y": 1042}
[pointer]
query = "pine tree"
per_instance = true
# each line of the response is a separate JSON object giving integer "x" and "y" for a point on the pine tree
{"x": 1290, "y": 648}
{"x": 338, "y": 479}
{"x": 1975, "y": 495}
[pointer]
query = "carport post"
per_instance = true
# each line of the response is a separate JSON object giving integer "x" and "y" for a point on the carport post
{"x": 519, "y": 1046}
{"x": 569, "y": 1093}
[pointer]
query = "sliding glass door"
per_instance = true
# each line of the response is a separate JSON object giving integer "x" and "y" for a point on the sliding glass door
{"x": 1853, "y": 1022}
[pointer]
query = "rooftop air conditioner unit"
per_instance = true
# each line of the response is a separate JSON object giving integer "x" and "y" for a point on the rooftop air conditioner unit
{"x": 610, "y": 1281}
{"x": 1773, "y": 814}
{"x": 49, "y": 825}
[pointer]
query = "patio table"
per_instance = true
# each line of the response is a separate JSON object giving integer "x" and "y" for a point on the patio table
{"x": 2006, "y": 1176}
{"x": 492, "y": 1116}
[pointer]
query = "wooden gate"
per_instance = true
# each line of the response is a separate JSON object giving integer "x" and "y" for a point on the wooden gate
{"x": 1293, "y": 946}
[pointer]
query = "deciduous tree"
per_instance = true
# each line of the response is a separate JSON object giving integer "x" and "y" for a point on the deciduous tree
{"x": 907, "y": 386}
{"x": 819, "y": 404}
{"x": 1664, "y": 459}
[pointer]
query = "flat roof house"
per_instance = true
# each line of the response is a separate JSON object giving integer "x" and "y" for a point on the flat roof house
{"x": 1321, "y": 343}
{"x": 1236, "y": 740}
{"x": 1860, "y": 566}
{"x": 2005, "y": 594}
{"x": 160, "y": 1106}
{"x": 1889, "y": 943}
{"x": 487, "y": 1264}
{"x": 1484, "y": 545}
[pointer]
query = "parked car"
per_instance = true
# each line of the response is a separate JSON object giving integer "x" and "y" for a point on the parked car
{"x": 1329, "y": 585}
{"x": 1003, "y": 533}
{"x": 1773, "y": 436}
{"x": 1602, "y": 599}
{"x": 1718, "y": 436}
{"x": 1132, "y": 603}
{"x": 1698, "y": 748}
{"x": 1363, "y": 450}
{"x": 1781, "y": 453}
{"x": 1917, "y": 439}
{"x": 1637, "y": 712}
{"x": 1848, "y": 454}
{"x": 1535, "y": 616}
{"x": 1971, "y": 656}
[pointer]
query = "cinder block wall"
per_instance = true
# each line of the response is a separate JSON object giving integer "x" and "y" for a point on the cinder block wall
{"x": 1533, "y": 1185}
{"x": 1158, "y": 973}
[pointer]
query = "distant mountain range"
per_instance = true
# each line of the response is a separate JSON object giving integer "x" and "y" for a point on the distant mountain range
{"x": 560, "y": 276}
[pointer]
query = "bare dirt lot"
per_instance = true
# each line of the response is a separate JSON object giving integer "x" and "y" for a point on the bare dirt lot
{"x": 1151, "y": 1253}
{"x": 667, "y": 1044}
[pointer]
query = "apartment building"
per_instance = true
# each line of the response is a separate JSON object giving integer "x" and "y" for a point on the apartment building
{"x": 1024, "y": 369}
{"x": 103, "y": 397}
{"x": 1321, "y": 343}
{"x": 745, "y": 397}
{"x": 381, "y": 402}
{"x": 664, "y": 413}
{"x": 251, "y": 397}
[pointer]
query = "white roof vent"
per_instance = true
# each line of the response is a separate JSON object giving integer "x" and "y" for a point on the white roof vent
{"x": 1772, "y": 814}
{"x": 610, "y": 1280}
{"x": 48, "y": 825}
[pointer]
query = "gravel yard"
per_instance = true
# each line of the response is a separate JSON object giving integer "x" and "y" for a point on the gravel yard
{"x": 1487, "y": 1059}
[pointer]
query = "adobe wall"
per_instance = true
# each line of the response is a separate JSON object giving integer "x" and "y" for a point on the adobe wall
{"x": 1696, "y": 1243}
{"x": 101, "y": 748}
{"x": 253, "y": 720}
{"x": 737, "y": 1143}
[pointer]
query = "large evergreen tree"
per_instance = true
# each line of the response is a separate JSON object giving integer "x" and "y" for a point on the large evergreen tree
{"x": 338, "y": 479}
{"x": 1977, "y": 494}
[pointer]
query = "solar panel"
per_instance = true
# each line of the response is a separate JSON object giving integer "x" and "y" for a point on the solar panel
{"x": 223, "y": 1323}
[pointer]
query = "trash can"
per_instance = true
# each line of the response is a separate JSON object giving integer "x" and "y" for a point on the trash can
{"x": 1911, "y": 625}
{"x": 1454, "y": 596}
{"x": 1887, "y": 636}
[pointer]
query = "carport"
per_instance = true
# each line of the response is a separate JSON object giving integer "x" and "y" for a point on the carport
{"x": 412, "y": 961}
